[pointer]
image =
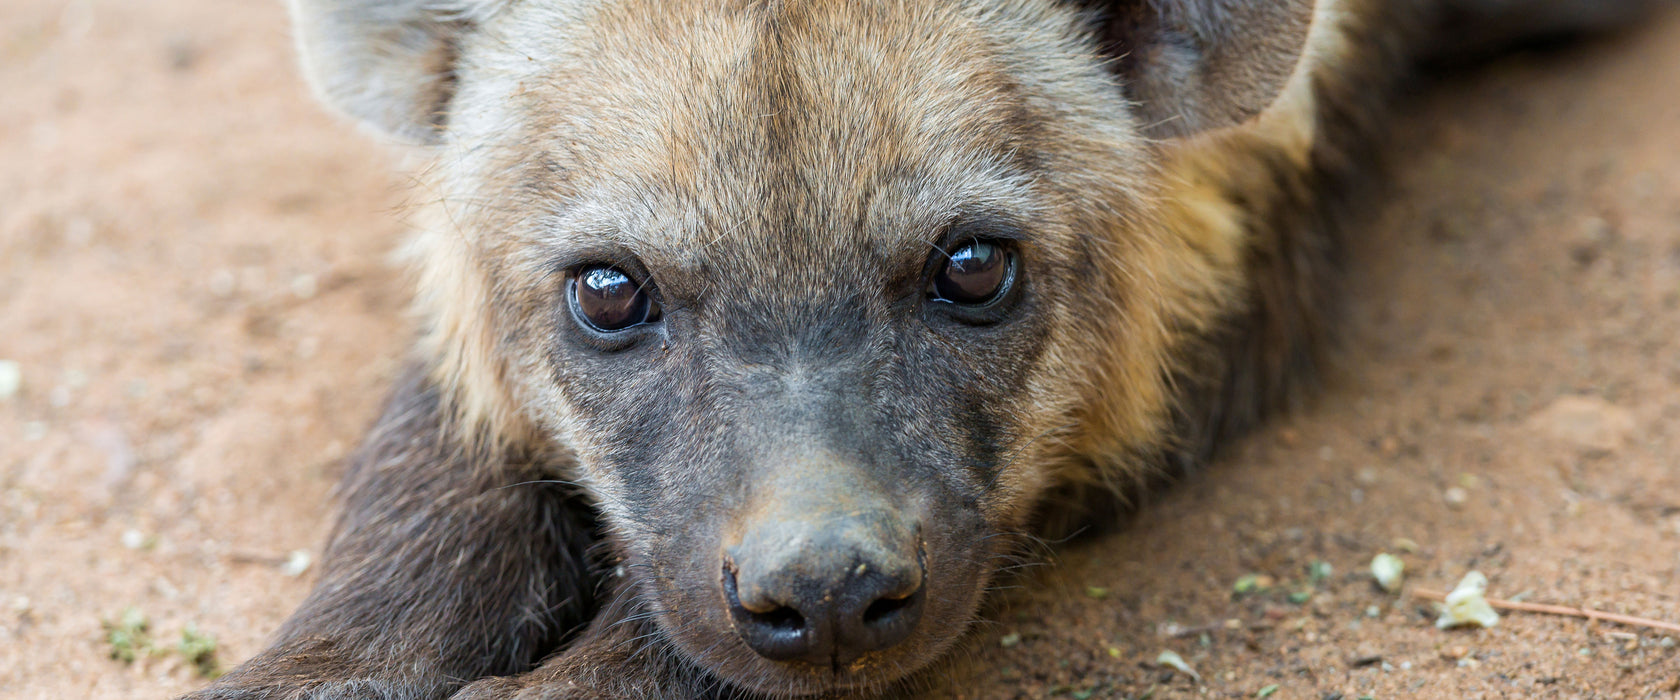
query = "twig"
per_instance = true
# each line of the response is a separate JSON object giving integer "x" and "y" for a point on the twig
{"x": 1561, "y": 610}
{"x": 1176, "y": 632}
{"x": 251, "y": 557}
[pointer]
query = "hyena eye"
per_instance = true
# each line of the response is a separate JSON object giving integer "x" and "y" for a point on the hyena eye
{"x": 608, "y": 300}
{"x": 974, "y": 273}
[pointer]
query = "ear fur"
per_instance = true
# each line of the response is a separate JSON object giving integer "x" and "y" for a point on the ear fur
{"x": 1194, "y": 65}
{"x": 388, "y": 63}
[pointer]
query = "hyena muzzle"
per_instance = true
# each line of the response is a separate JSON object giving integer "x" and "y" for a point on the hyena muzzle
{"x": 756, "y": 333}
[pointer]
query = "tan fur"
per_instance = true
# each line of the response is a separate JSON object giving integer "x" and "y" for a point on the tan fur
{"x": 1176, "y": 240}
{"x": 472, "y": 363}
{"x": 1200, "y": 272}
{"x": 784, "y": 176}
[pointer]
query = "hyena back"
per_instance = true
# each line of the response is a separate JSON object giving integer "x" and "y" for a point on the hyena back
{"x": 755, "y": 332}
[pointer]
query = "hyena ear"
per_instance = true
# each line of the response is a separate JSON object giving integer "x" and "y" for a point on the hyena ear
{"x": 388, "y": 63}
{"x": 1194, "y": 65}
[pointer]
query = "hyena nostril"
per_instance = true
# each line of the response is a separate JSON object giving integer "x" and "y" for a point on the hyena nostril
{"x": 887, "y": 620}
{"x": 779, "y": 634}
{"x": 782, "y": 618}
{"x": 880, "y": 611}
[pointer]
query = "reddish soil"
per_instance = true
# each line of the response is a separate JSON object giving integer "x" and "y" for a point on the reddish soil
{"x": 194, "y": 282}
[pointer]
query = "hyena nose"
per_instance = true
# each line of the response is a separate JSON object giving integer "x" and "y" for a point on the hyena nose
{"x": 824, "y": 597}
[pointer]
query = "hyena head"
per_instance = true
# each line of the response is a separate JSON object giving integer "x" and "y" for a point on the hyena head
{"x": 822, "y": 297}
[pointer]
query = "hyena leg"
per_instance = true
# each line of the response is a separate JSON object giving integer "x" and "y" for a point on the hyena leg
{"x": 621, "y": 656}
{"x": 448, "y": 565}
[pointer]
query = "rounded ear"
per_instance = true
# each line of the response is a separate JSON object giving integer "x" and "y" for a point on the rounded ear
{"x": 388, "y": 63}
{"x": 1194, "y": 65}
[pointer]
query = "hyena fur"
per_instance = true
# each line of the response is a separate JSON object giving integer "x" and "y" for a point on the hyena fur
{"x": 756, "y": 333}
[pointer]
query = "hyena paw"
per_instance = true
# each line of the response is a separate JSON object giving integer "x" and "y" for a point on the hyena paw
{"x": 513, "y": 689}
{"x": 488, "y": 689}
{"x": 360, "y": 689}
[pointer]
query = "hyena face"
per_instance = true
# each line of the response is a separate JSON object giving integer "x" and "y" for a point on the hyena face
{"x": 820, "y": 296}
{"x": 795, "y": 291}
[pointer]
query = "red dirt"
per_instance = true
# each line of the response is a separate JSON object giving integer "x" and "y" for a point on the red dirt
{"x": 194, "y": 282}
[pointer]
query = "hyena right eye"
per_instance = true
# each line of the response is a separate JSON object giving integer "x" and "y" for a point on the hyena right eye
{"x": 975, "y": 273}
{"x": 607, "y": 299}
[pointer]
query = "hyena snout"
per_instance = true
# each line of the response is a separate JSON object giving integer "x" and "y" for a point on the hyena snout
{"x": 825, "y": 583}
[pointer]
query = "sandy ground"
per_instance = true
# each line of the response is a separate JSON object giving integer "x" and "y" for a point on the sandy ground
{"x": 194, "y": 281}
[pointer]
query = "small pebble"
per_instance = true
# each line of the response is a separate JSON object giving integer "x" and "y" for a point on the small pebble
{"x": 304, "y": 286}
{"x": 1171, "y": 659}
{"x": 79, "y": 232}
{"x": 1467, "y": 604}
{"x": 1389, "y": 571}
{"x": 133, "y": 539}
{"x": 296, "y": 563}
{"x": 1388, "y": 445}
{"x": 1455, "y": 496}
{"x": 223, "y": 283}
{"x": 1249, "y": 583}
{"x": 1587, "y": 422}
{"x": 1363, "y": 660}
{"x": 11, "y": 379}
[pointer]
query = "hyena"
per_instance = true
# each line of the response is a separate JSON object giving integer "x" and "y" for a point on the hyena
{"x": 755, "y": 332}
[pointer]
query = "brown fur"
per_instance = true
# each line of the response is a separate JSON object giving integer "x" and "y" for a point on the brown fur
{"x": 783, "y": 170}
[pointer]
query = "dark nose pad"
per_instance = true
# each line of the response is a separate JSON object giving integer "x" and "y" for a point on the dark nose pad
{"x": 828, "y": 621}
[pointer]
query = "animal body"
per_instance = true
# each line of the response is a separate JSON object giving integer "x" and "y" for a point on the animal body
{"x": 755, "y": 333}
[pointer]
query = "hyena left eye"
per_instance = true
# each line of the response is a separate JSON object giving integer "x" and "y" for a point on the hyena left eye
{"x": 609, "y": 300}
{"x": 974, "y": 273}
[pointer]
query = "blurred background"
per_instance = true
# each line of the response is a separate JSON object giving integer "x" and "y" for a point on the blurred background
{"x": 198, "y": 318}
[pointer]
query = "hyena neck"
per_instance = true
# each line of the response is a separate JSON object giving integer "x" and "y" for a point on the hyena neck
{"x": 1270, "y": 202}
